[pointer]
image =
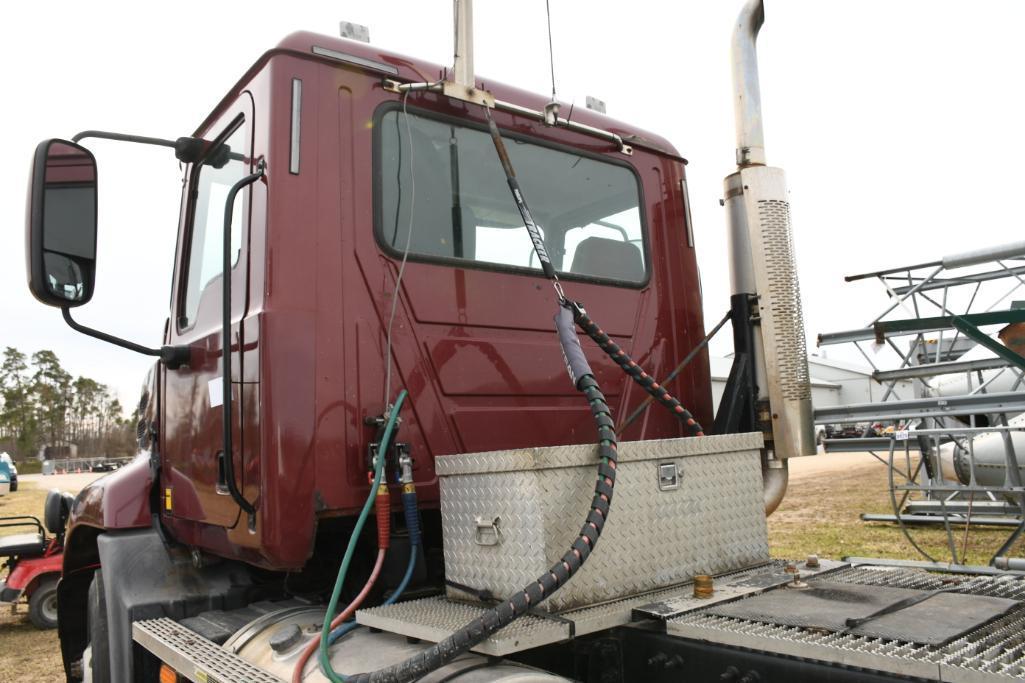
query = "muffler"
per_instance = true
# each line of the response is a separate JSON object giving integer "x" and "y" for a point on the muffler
{"x": 763, "y": 264}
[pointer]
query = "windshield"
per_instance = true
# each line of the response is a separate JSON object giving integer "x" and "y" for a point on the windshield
{"x": 450, "y": 177}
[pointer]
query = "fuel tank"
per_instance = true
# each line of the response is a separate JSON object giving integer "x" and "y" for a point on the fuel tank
{"x": 274, "y": 641}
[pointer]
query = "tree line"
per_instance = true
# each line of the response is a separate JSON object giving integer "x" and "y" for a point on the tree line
{"x": 44, "y": 406}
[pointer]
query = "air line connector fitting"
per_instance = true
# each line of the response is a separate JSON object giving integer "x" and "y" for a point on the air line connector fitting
{"x": 405, "y": 469}
{"x": 409, "y": 504}
{"x": 373, "y": 447}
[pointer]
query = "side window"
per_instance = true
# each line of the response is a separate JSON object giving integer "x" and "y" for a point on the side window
{"x": 223, "y": 166}
{"x": 588, "y": 209}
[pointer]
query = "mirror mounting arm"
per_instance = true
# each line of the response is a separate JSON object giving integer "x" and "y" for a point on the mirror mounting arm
{"x": 187, "y": 150}
{"x": 173, "y": 357}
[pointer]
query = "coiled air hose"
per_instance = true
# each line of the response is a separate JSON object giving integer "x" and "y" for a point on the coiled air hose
{"x": 621, "y": 358}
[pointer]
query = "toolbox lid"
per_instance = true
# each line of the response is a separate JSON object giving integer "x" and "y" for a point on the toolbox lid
{"x": 551, "y": 457}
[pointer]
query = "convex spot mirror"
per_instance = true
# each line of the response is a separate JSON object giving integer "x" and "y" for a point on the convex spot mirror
{"x": 61, "y": 230}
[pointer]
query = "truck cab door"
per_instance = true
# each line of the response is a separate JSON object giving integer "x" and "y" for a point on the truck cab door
{"x": 193, "y": 479}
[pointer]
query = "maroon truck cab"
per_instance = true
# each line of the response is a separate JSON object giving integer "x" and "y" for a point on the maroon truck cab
{"x": 320, "y": 239}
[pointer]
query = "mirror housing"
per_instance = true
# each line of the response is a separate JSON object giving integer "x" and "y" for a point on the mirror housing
{"x": 61, "y": 224}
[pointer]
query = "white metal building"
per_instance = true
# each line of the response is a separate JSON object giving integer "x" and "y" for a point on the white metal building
{"x": 833, "y": 382}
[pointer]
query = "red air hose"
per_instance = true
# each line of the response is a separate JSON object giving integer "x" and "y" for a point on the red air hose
{"x": 382, "y": 506}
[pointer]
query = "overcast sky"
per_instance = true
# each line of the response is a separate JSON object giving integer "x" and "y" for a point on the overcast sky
{"x": 897, "y": 122}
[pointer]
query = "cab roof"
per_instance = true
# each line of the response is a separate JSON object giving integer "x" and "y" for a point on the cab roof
{"x": 411, "y": 69}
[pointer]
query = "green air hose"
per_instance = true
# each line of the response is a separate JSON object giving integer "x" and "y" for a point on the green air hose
{"x": 382, "y": 448}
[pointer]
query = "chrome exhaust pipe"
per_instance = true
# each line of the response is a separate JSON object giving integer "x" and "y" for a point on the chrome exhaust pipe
{"x": 775, "y": 477}
{"x": 763, "y": 265}
{"x": 747, "y": 94}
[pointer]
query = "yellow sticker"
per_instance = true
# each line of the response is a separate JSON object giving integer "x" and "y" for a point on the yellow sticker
{"x": 167, "y": 502}
{"x": 200, "y": 674}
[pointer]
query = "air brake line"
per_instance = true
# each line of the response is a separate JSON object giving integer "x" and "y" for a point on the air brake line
{"x": 583, "y": 379}
{"x": 378, "y": 494}
{"x": 637, "y": 374}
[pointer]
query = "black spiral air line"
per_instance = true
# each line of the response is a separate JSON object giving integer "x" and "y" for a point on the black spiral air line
{"x": 647, "y": 382}
{"x": 505, "y": 612}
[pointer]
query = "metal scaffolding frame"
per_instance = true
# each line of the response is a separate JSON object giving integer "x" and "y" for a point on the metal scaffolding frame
{"x": 943, "y": 298}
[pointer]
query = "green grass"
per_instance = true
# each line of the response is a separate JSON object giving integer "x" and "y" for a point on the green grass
{"x": 820, "y": 515}
{"x": 30, "y": 467}
{"x": 27, "y": 500}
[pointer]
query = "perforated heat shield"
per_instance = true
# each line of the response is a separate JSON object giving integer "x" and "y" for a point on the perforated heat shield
{"x": 779, "y": 307}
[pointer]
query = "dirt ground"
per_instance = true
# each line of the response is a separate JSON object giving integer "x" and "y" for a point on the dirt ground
{"x": 65, "y": 482}
{"x": 820, "y": 514}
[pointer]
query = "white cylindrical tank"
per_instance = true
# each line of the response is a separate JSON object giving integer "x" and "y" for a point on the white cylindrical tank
{"x": 1000, "y": 380}
{"x": 274, "y": 641}
{"x": 990, "y": 457}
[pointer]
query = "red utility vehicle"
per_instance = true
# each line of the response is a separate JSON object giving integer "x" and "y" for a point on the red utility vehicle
{"x": 33, "y": 560}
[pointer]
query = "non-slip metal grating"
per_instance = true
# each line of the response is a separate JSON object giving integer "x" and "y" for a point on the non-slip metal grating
{"x": 994, "y": 652}
{"x": 195, "y": 657}
{"x": 1011, "y": 587}
{"x": 436, "y": 618}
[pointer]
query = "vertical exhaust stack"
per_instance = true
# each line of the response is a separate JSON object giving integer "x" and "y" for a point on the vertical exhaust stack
{"x": 763, "y": 267}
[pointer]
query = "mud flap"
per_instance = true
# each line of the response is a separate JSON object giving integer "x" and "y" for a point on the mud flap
{"x": 145, "y": 579}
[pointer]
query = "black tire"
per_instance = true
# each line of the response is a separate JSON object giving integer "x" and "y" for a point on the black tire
{"x": 14, "y": 485}
{"x": 98, "y": 631}
{"x": 42, "y": 606}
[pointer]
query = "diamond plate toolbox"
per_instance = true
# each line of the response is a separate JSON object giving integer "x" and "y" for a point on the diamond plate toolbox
{"x": 681, "y": 507}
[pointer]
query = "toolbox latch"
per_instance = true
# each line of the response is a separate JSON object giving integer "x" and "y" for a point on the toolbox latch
{"x": 668, "y": 476}
{"x": 488, "y": 532}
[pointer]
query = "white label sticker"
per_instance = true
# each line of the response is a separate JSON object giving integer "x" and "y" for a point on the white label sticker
{"x": 216, "y": 392}
{"x": 901, "y": 435}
